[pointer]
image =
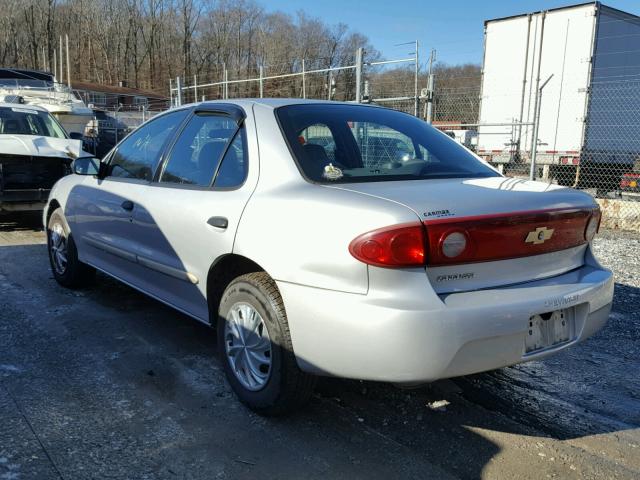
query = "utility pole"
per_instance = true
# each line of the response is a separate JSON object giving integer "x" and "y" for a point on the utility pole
{"x": 430, "y": 87}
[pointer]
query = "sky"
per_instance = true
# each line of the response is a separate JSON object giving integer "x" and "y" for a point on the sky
{"x": 453, "y": 27}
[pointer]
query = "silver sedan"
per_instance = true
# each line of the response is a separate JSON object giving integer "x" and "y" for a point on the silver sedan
{"x": 322, "y": 238}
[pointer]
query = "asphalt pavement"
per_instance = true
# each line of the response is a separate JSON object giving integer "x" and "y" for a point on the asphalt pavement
{"x": 107, "y": 383}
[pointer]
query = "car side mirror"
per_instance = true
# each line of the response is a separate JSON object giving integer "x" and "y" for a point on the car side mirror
{"x": 87, "y": 166}
{"x": 75, "y": 135}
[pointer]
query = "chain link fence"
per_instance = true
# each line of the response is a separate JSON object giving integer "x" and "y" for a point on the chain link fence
{"x": 107, "y": 128}
{"x": 365, "y": 81}
{"x": 585, "y": 138}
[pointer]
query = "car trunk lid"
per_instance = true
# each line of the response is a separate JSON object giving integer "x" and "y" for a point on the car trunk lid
{"x": 517, "y": 230}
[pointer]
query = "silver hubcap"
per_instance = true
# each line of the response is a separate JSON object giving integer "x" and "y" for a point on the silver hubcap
{"x": 248, "y": 346}
{"x": 58, "y": 247}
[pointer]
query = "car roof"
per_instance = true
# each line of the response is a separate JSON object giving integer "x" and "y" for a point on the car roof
{"x": 277, "y": 102}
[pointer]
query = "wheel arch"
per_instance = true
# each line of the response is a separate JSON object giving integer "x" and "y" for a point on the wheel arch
{"x": 221, "y": 273}
{"x": 53, "y": 205}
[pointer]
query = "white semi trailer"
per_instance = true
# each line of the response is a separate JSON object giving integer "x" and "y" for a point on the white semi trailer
{"x": 589, "y": 122}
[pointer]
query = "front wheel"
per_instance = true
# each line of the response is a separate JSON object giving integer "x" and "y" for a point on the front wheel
{"x": 256, "y": 349}
{"x": 63, "y": 255}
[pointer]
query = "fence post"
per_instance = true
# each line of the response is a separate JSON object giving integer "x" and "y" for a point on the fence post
{"x": 430, "y": 87}
{"x": 415, "y": 84}
{"x": 429, "y": 116}
{"x": 359, "y": 55}
{"x": 115, "y": 115}
{"x": 66, "y": 39}
{"x": 261, "y": 81}
{"x": 304, "y": 83}
{"x": 224, "y": 78}
{"x": 195, "y": 88}
{"x": 226, "y": 83}
{"x": 171, "y": 93}
{"x": 179, "y": 87}
{"x": 536, "y": 124}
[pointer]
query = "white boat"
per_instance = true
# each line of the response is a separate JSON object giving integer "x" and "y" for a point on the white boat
{"x": 33, "y": 87}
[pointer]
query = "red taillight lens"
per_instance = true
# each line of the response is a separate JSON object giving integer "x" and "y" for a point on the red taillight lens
{"x": 504, "y": 236}
{"x": 400, "y": 246}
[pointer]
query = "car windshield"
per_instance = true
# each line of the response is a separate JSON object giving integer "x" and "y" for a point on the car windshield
{"x": 27, "y": 121}
{"x": 335, "y": 143}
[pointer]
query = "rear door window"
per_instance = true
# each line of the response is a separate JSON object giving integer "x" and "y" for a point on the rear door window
{"x": 197, "y": 153}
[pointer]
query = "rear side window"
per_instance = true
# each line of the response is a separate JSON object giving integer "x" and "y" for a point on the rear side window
{"x": 197, "y": 153}
{"x": 233, "y": 169}
{"x": 138, "y": 154}
{"x": 335, "y": 143}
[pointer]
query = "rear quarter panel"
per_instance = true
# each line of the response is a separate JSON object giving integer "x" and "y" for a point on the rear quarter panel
{"x": 300, "y": 232}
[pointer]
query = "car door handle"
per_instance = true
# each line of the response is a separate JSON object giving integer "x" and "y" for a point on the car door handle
{"x": 127, "y": 205}
{"x": 218, "y": 222}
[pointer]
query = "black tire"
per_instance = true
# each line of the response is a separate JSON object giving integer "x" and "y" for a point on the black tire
{"x": 75, "y": 274}
{"x": 287, "y": 387}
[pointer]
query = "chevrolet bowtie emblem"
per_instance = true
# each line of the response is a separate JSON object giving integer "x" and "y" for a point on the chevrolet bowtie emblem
{"x": 539, "y": 235}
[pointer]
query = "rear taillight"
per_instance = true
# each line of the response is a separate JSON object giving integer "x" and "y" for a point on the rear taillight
{"x": 503, "y": 236}
{"x": 485, "y": 238}
{"x": 454, "y": 244}
{"x": 398, "y": 246}
{"x": 593, "y": 225}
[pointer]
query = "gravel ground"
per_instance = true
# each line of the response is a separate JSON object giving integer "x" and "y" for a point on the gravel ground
{"x": 107, "y": 383}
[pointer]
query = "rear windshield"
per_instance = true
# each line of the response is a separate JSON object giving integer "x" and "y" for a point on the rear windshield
{"x": 354, "y": 143}
{"x": 26, "y": 121}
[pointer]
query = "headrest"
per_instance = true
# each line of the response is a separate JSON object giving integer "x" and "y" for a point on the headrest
{"x": 223, "y": 133}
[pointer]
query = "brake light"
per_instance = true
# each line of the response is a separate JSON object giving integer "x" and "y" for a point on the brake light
{"x": 397, "y": 246}
{"x": 484, "y": 238}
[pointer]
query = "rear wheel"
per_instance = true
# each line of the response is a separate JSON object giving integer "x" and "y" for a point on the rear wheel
{"x": 63, "y": 255}
{"x": 256, "y": 350}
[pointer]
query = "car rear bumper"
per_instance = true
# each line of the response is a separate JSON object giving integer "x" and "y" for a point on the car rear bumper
{"x": 410, "y": 334}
